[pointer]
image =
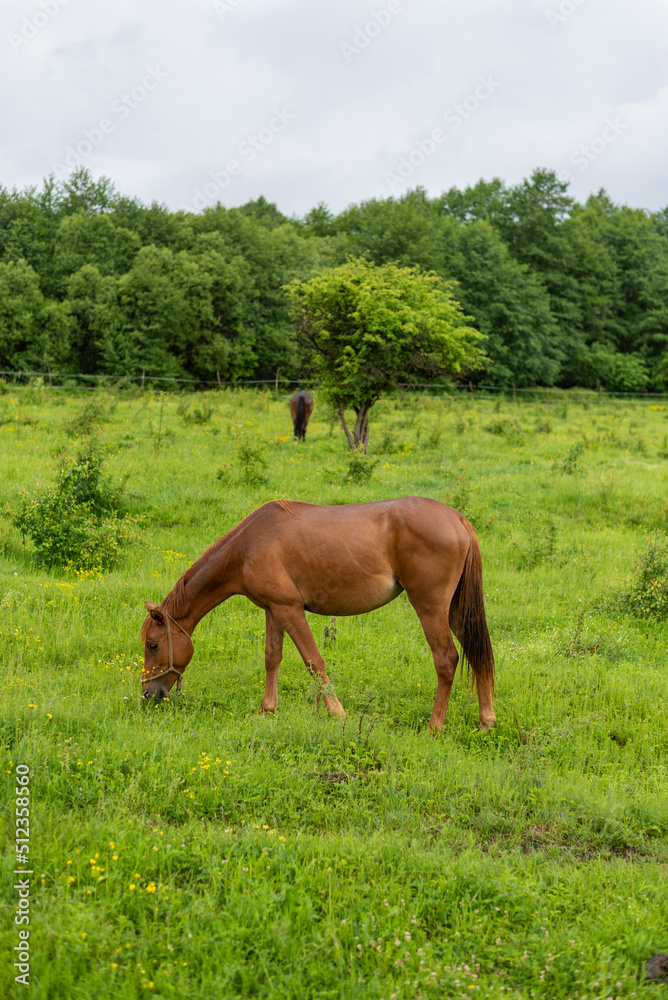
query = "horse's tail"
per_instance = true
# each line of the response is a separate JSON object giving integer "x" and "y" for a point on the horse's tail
{"x": 299, "y": 419}
{"x": 474, "y": 634}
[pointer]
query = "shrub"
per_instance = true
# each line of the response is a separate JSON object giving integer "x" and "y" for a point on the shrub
{"x": 252, "y": 464}
{"x": 501, "y": 426}
{"x": 360, "y": 468}
{"x": 460, "y": 495}
{"x": 536, "y": 536}
{"x": 77, "y": 522}
{"x": 91, "y": 415}
{"x": 200, "y": 414}
{"x": 648, "y": 595}
{"x": 463, "y": 496}
{"x": 434, "y": 438}
{"x": 570, "y": 464}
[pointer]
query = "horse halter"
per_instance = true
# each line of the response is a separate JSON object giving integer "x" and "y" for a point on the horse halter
{"x": 171, "y": 669}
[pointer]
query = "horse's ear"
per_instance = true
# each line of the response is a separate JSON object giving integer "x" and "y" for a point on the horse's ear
{"x": 156, "y": 615}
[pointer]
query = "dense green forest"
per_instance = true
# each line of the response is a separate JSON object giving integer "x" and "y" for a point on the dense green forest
{"x": 95, "y": 282}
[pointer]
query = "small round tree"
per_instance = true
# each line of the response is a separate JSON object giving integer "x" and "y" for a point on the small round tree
{"x": 368, "y": 329}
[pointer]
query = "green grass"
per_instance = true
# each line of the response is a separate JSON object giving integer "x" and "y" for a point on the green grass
{"x": 197, "y": 850}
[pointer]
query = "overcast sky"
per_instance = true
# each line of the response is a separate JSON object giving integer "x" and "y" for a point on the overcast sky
{"x": 188, "y": 102}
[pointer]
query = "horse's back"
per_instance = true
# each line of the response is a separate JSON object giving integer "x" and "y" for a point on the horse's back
{"x": 395, "y": 526}
{"x": 302, "y": 394}
{"x": 349, "y": 559}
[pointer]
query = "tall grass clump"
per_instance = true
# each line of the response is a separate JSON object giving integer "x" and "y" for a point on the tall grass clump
{"x": 648, "y": 596}
{"x": 78, "y": 522}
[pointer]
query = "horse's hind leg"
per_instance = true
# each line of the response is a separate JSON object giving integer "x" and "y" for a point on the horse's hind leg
{"x": 293, "y": 620}
{"x": 273, "y": 654}
{"x": 437, "y": 633}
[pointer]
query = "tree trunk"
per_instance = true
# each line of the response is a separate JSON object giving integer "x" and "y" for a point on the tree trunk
{"x": 361, "y": 432}
{"x": 342, "y": 418}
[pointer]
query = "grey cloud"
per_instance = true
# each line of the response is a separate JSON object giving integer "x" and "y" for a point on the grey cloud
{"x": 564, "y": 68}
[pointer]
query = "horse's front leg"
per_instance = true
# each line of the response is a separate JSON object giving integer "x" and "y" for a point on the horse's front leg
{"x": 273, "y": 654}
{"x": 294, "y": 622}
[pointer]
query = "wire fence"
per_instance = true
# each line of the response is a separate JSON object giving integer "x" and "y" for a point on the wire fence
{"x": 65, "y": 380}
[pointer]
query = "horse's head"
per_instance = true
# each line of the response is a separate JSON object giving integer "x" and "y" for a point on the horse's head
{"x": 167, "y": 652}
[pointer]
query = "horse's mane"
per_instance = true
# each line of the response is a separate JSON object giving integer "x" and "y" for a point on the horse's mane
{"x": 175, "y": 603}
{"x": 286, "y": 505}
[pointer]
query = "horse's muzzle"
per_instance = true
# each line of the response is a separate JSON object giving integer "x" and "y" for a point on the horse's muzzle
{"x": 157, "y": 693}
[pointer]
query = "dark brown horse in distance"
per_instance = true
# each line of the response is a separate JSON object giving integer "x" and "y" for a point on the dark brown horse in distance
{"x": 289, "y": 557}
{"x": 301, "y": 408}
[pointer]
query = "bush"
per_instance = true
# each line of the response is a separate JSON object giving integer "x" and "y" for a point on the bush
{"x": 571, "y": 462}
{"x": 200, "y": 414}
{"x": 360, "y": 468}
{"x": 252, "y": 464}
{"x": 91, "y": 415}
{"x": 501, "y": 426}
{"x": 76, "y": 523}
{"x": 463, "y": 496}
{"x": 617, "y": 372}
{"x": 648, "y": 595}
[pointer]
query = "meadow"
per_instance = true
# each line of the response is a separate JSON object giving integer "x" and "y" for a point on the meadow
{"x": 197, "y": 850}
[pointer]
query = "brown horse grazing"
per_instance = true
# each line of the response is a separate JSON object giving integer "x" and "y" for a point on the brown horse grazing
{"x": 301, "y": 408}
{"x": 290, "y": 557}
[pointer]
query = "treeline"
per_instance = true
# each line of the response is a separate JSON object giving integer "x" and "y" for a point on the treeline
{"x": 94, "y": 282}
